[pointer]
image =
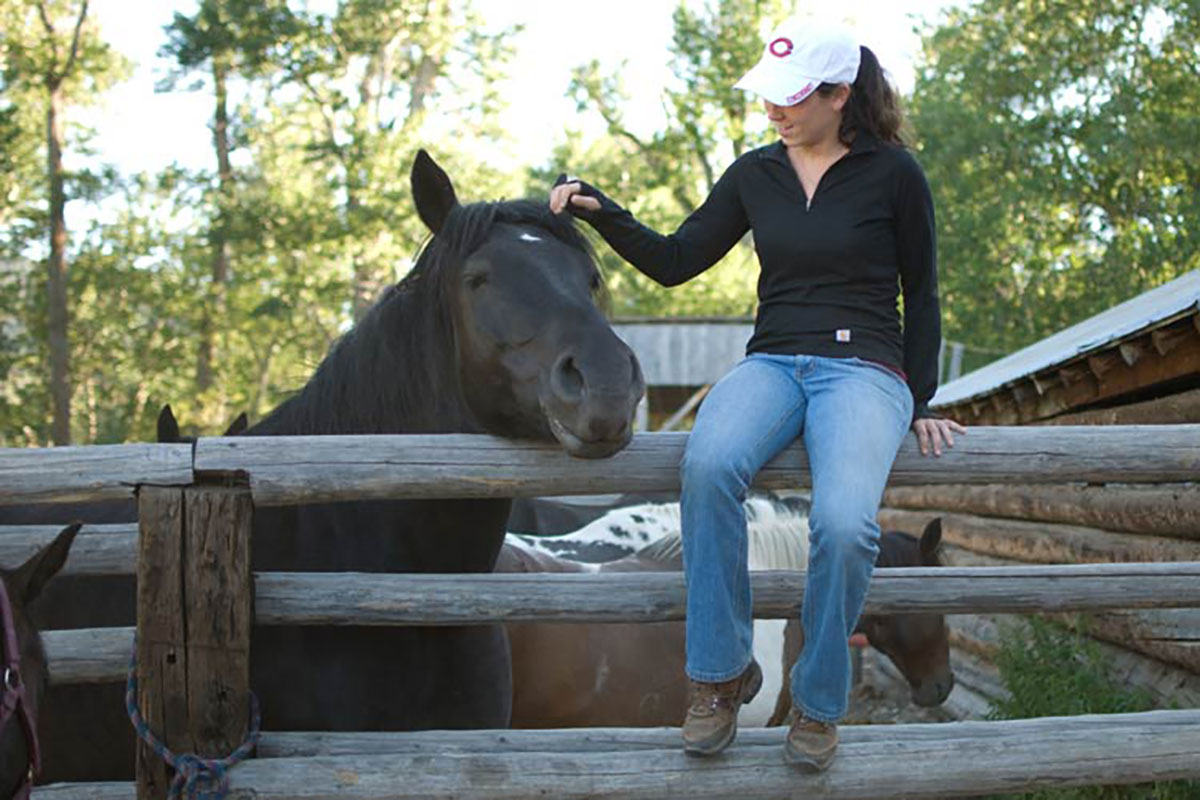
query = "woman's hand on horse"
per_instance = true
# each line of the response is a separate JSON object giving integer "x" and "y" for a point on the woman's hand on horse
{"x": 563, "y": 193}
{"x": 932, "y": 433}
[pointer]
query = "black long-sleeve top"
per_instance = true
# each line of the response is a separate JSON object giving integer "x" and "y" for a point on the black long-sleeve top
{"x": 832, "y": 268}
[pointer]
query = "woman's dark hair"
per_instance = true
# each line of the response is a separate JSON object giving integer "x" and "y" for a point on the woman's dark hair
{"x": 874, "y": 105}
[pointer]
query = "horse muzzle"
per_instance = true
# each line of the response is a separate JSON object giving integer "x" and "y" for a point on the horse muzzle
{"x": 933, "y": 691}
{"x": 589, "y": 403}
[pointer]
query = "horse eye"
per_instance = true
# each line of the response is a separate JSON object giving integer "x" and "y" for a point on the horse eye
{"x": 596, "y": 282}
{"x": 476, "y": 279}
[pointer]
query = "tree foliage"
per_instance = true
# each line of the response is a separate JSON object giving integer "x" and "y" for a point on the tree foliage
{"x": 1059, "y": 139}
{"x": 663, "y": 176}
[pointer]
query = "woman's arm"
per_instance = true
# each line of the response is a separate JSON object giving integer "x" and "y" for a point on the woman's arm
{"x": 701, "y": 241}
{"x": 917, "y": 251}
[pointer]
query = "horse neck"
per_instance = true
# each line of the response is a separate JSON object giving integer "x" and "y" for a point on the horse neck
{"x": 394, "y": 372}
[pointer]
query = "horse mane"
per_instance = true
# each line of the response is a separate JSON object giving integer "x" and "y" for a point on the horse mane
{"x": 408, "y": 336}
{"x": 775, "y": 542}
{"x": 777, "y": 538}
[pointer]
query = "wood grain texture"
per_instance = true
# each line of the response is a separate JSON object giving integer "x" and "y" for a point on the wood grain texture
{"x": 1169, "y": 510}
{"x": 1170, "y": 637}
{"x": 161, "y": 665}
{"x": 375, "y": 599}
{"x": 89, "y": 655}
{"x": 955, "y": 758}
{"x": 97, "y": 550}
{"x": 92, "y": 472}
{"x": 349, "y": 598}
{"x": 1042, "y": 542}
{"x": 194, "y": 617}
{"x": 292, "y": 469}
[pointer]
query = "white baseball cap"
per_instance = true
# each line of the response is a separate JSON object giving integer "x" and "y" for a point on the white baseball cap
{"x": 801, "y": 55}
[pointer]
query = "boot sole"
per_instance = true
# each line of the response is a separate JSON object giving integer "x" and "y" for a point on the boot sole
{"x": 806, "y": 762}
{"x": 712, "y": 747}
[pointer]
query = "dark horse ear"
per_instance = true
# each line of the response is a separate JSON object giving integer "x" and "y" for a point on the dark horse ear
{"x": 168, "y": 427}
{"x": 238, "y": 426}
{"x": 27, "y": 582}
{"x": 432, "y": 191}
{"x": 931, "y": 543}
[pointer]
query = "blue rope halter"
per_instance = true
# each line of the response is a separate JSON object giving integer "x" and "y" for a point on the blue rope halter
{"x": 195, "y": 778}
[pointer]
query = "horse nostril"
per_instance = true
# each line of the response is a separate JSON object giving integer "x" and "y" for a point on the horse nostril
{"x": 567, "y": 380}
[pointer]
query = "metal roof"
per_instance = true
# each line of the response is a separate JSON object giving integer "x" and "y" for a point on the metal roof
{"x": 1145, "y": 311}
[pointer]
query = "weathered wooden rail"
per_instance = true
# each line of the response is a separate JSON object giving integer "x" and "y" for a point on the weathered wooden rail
{"x": 287, "y": 470}
{"x": 984, "y": 757}
{"x": 197, "y": 668}
{"x": 102, "y": 654}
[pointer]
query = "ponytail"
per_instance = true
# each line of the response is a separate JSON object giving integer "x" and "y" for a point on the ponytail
{"x": 874, "y": 105}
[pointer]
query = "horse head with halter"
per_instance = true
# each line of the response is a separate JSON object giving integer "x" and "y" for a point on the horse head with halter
{"x": 24, "y": 663}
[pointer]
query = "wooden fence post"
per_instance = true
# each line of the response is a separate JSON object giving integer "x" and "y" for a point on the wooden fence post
{"x": 193, "y": 627}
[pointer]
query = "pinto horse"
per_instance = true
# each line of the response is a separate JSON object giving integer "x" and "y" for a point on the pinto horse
{"x": 496, "y": 329}
{"x": 619, "y": 674}
{"x": 24, "y": 664}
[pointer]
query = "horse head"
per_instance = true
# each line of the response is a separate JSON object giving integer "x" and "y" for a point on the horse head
{"x": 918, "y": 644}
{"x": 24, "y": 663}
{"x": 535, "y": 356}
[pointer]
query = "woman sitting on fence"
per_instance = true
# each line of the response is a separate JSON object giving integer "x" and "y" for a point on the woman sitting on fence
{"x": 842, "y": 220}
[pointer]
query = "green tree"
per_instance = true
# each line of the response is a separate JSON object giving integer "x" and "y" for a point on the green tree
{"x": 366, "y": 77}
{"x": 51, "y": 53}
{"x": 1059, "y": 140}
{"x": 224, "y": 38}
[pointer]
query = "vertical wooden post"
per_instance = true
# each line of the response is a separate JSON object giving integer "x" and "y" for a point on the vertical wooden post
{"x": 193, "y": 626}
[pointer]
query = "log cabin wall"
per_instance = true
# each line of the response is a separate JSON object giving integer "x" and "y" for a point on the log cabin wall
{"x": 1149, "y": 375}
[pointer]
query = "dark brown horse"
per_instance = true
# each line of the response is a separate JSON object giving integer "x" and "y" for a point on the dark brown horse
{"x": 587, "y": 675}
{"x": 495, "y": 330}
{"x": 23, "y": 664}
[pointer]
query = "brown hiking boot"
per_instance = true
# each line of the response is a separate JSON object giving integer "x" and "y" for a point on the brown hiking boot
{"x": 712, "y": 712}
{"x": 810, "y": 744}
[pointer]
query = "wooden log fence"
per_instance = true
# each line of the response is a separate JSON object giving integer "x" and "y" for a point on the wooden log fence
{"x": 956, "y": 759}
{"x": 286, "y": 470}
{"x": 97, "y": 550}
{"x": 1155, "y": 510}
{"x": 912, "y": 761}
{"x": 94, "y": 472}
{"x": 1043, "y": 542}
{"x": 1167, "y": 635}
{"x": 381, "y": 599}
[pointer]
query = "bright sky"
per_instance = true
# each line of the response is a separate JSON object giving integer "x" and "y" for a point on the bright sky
{"x": 139, "y": 129}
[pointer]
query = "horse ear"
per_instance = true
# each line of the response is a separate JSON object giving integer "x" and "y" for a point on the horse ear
{"x": 238, "y": 426}
{"x": 931, "y": 543}
{"x": 27, "y": 582}
{"x": 432, "y": 191}
{"x": 168, "y": 427}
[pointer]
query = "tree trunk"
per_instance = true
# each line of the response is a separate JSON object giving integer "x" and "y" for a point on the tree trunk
{"x": 212, "y": 313}
{"x": 56, "y": 284}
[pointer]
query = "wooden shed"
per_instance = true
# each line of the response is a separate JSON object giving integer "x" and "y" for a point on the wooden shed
{"x": 681, "y": 359}
{"x": 1137, "y": 363}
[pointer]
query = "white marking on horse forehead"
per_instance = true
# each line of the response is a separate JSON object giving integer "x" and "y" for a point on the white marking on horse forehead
{"x": 529, "y": 237}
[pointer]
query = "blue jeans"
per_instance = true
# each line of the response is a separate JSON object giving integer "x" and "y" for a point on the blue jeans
{"x": 853, "y": 415}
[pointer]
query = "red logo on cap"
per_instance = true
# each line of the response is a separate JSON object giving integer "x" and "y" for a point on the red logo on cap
{"x": 800, "y": 95}
{"x": 780, "y": 47}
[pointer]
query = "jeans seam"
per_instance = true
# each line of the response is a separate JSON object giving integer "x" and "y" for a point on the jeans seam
{"x": 716, "y": 677}
{"x": 826, "y": 718}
